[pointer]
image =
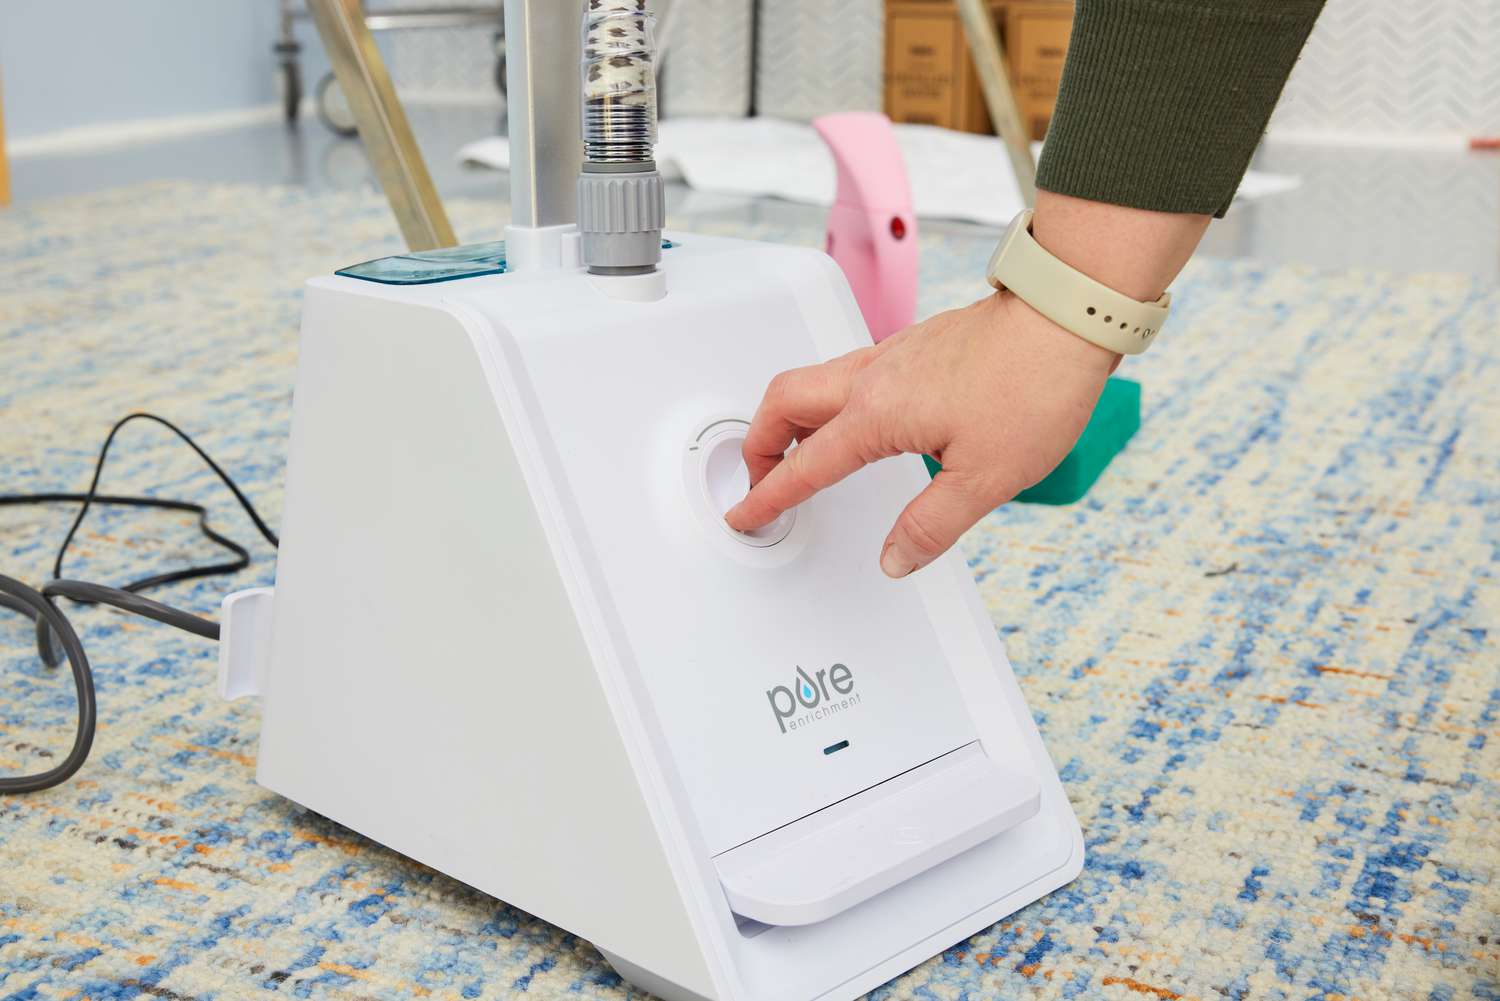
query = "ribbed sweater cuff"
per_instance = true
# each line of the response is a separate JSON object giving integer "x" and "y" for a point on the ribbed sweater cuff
{"x": 1163, "y": 101}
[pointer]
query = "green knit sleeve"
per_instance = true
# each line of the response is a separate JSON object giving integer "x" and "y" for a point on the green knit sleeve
{"x": 1163, "y": 101}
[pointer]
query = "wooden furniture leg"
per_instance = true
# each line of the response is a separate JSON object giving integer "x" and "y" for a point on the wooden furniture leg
{"x": 382, "y": 123}
{"x": 994, "y": 78}
{"x": 4, "y": 161}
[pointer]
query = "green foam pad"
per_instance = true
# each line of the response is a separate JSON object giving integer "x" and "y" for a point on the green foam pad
{"x": 1116, "y": 417}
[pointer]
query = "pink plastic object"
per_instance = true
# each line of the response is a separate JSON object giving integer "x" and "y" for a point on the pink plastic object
{"x": 872, "y": 231}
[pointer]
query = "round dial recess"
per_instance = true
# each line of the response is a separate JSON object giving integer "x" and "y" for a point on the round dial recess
{"x": 724, "y": 481}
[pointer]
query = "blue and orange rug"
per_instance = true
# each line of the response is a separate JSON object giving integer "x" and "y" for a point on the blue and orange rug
{"x": 1264, "y": 651}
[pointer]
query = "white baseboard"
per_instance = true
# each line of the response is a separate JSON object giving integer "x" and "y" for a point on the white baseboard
{"x": 113, "y": 135}
{"x": 1368, "y": 140}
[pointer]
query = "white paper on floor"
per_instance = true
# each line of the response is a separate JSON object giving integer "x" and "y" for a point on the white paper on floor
{"x": 953, "y": 175}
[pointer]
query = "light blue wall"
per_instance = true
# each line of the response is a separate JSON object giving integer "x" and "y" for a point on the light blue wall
{"x": 68, "y": 63}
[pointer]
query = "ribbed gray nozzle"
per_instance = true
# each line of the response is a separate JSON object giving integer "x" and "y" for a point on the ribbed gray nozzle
{"x": 620, "y": 217}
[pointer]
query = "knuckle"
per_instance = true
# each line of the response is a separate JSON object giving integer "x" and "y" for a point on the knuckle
{"x": 858, "y": 360}
{"x": 922, "y": 532}
{"x": 868, "y": 430}
{"x": 867, "y": 394}
{"x": 797, "y": 472}
{"x": 881, "y": 392}
{"x": 868, "y": 441}
{"x": 777, "y": 389}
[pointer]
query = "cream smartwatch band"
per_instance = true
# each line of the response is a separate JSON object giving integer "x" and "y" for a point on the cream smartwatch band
{"x": 1070, "y": 299}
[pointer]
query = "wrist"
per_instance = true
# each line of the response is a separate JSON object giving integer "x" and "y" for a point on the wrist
{"x": 1071, "y": 298}
{"x": 1133, "y": 251}
{"x": 1050, "y": 339}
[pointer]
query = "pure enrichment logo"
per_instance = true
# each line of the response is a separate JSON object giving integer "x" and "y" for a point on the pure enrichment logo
{"x": 811, "y": 698}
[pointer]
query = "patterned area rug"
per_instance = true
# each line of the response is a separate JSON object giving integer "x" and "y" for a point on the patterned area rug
{"x": 1263, "y": 651}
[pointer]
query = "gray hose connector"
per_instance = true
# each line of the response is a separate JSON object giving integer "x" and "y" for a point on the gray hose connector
{"x": 620, "y": 218}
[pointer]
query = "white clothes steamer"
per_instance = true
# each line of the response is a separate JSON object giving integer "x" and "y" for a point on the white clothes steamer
{"x": 512, "y": 638}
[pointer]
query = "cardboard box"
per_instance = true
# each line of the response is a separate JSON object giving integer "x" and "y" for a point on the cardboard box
{"x": 1036, "y": 44}
{"x": 930, "y": 77}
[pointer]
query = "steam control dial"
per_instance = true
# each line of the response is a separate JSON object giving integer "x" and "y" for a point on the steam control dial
{"x": 724, "y": 480}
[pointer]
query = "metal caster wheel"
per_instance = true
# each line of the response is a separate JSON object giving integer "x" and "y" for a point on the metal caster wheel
{"x": 333, "y": 107}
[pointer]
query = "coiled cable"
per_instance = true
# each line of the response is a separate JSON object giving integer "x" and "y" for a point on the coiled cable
{"x": 55, "y": 636}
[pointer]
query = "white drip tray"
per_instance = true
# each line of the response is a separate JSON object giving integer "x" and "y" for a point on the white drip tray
{"x": 828, "y": 861}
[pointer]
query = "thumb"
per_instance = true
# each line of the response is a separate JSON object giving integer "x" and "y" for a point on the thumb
{"x": 933, "y": 521}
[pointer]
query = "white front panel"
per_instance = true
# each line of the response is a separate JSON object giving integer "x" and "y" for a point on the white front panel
{"x": 717, "y": 628}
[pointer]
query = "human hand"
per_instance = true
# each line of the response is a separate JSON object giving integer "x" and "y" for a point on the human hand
{"x": 995, "y": 391}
